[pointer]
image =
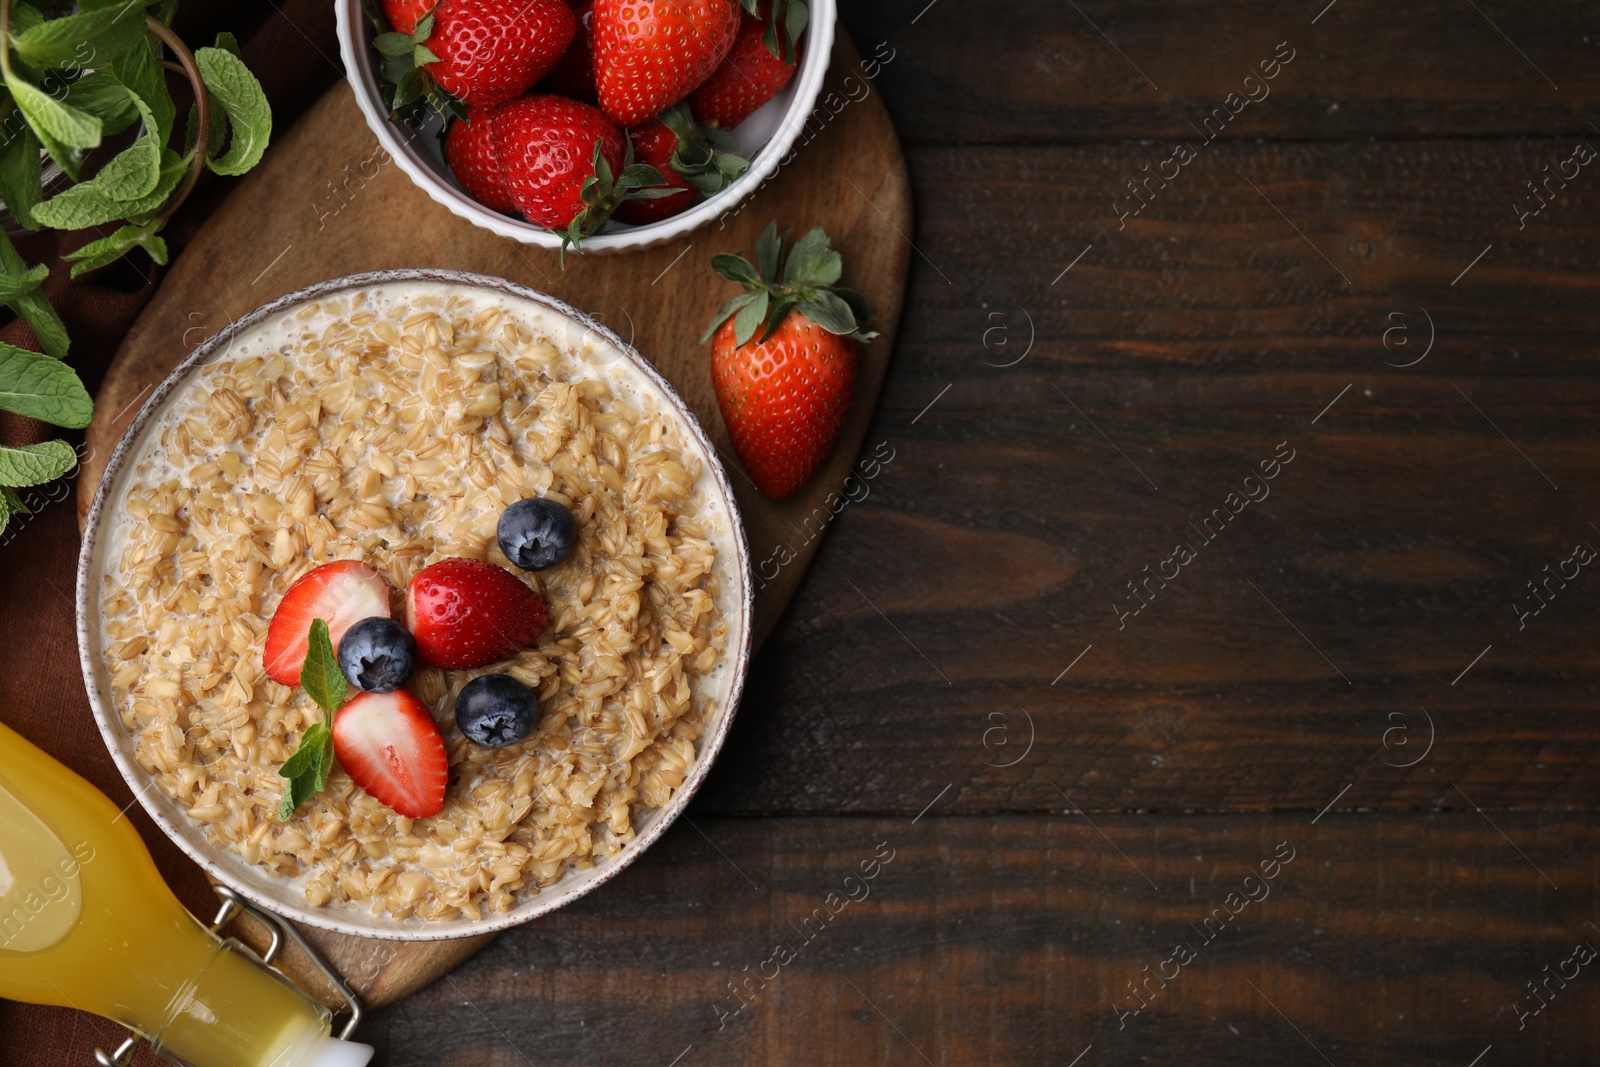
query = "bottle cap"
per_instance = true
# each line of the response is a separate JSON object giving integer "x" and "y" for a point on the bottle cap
{"x": 335, "y": 1053}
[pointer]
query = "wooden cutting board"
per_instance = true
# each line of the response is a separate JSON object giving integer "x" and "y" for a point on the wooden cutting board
{"x": 327, "y": 201}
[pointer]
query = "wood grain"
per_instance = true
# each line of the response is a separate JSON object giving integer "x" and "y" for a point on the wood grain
{"x": 1001, "y": 537}
{"x": 1113, "y": 70}
{"x": 327, "y": 202}
{"x": 1014, "y": 941}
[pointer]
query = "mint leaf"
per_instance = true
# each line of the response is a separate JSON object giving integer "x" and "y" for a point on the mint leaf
{"x": 238, "y": 93}
{"x": 138, "y": 70}
{"x": 32, "y": 305}
{"x": 229, "y": 43}
{"x": 87, "y": 203}
{"x": 308, "y": 755}
{"x": 300, "y": 789}
{"x": 19, "y": 175}
{"x": 134, "y": 172}
{"x": 36, "y": 464}
{"x": 325, "y": 764}
{"x": 61, "y": 127}
{"x": 102, "y": 94}
{"x": 82, "y": 41}
{"x": 15, "y": 285}
{"x": 114, "y": 246}
{"x": 14, "y": 503}
{"x": 39, "y": 387}
{"x": 321, "y": 677}
{"x": 308, "y": 768}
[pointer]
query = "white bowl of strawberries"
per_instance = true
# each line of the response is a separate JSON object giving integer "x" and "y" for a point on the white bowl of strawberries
{"x": 601, "y": 125}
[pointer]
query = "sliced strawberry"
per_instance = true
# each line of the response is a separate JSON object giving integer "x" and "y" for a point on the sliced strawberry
{"x": 469, "y": 146}
{"x": 390, "y": 746}
{"x": 466, "y": 613}
{"x": 341, "y": 593}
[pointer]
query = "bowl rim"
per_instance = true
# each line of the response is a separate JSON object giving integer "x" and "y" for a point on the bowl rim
{"x": 361, "y": 74}
{"x": 114, "y": 735}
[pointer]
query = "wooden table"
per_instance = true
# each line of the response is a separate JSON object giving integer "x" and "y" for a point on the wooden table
{"x": 1319, "y": 786}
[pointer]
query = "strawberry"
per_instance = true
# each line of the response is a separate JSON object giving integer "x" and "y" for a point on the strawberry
{"x": 343, "y": 593}
{"x": 561, "y": 161}
{"x": 689, "y": 159}
{"x": 478, "y": 52}
{"x": 390, "y": 746}
{"x": 403, "y": 15}
{"x": 756, "y": 69}
{"x": 466, "y": 613}
{"x": 469, "y": 148}
{"x": 785, "y": 395}
{"x": 574, "y": 75}
{"x": 649, "y": 54}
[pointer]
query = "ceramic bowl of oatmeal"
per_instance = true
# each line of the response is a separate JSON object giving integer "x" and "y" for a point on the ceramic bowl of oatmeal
{"x": 390, "y": 417}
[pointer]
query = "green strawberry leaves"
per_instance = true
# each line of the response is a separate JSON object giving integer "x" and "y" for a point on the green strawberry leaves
{"x": 403, "y": 57}
{"x": 786, "y": 22}
{"x": 602, "y": 191}
{"x": 308, "y": 768}
{"x": 708, "y": 159}
{"x": 807, "y": 286}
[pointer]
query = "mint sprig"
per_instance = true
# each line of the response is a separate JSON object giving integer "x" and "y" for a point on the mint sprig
{"x": 308, "y": 769}
{"x": 69, "y": 83}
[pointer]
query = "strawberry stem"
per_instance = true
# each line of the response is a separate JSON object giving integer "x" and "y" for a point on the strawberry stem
{"x": 805, "y": 284}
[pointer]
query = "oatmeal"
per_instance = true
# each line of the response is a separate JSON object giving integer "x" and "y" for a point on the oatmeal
{"x": 393, "y": 426}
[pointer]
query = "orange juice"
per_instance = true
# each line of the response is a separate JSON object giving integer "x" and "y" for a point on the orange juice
{"x": 86, "y": 922}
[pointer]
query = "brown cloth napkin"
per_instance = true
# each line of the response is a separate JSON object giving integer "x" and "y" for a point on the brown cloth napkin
{"x": 290, "y": 45}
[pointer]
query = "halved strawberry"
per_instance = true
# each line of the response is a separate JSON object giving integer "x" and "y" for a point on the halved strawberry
{"x": 466, "y": 613}
{"x": 390, "y": 746}
{"x": 342, "y": 593}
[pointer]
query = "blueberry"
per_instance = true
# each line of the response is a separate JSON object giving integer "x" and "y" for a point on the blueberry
{"x": 537, "y": 533}
{"x": 377, "y": 655}
{"x": 495, "y": 710}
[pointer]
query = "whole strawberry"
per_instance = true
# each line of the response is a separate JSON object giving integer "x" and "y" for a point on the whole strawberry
{"x": 763, "y": 60}
{"x": 403, "y": 15}
{"x": 574, "y": 75}
{"x": 465, "y": 613}
{"x": 469, "y": 147}
{"x": 690, "y": 160}
{"x": 783, "y": 358}
{"x": 476, "y": 52}
{"x": 567, "y": 166}
{"x": 649, "y": 54}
